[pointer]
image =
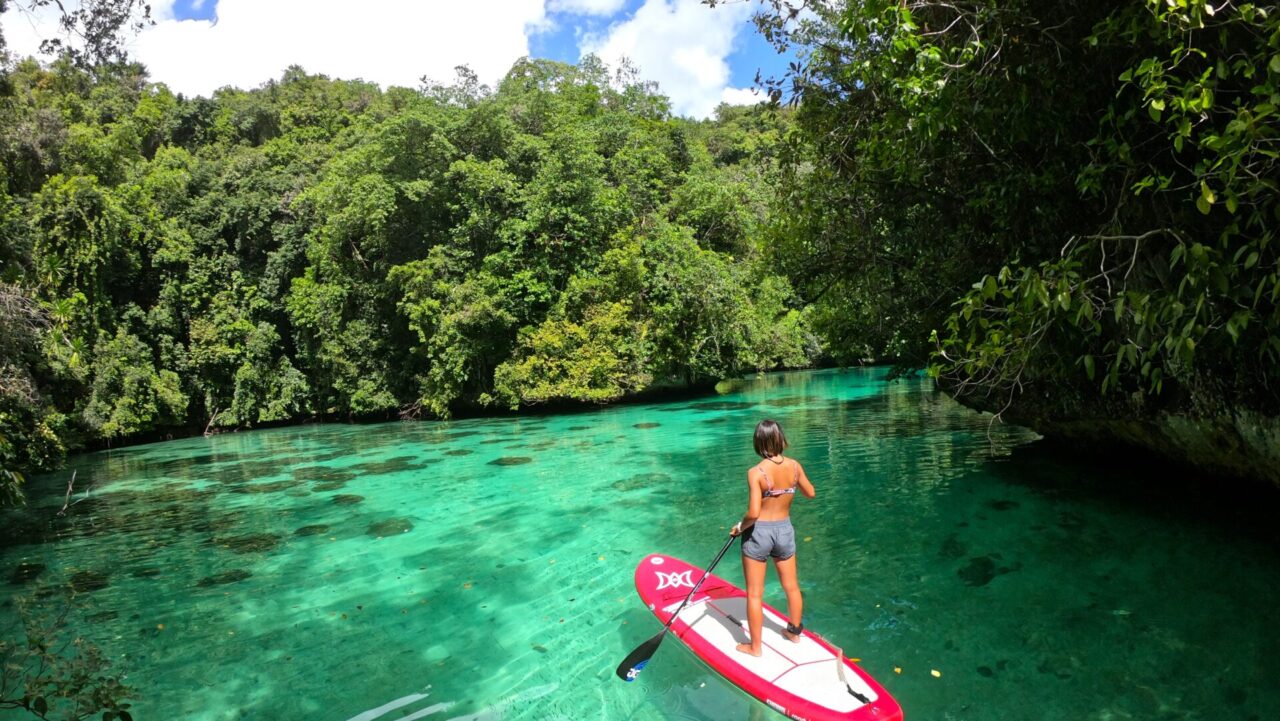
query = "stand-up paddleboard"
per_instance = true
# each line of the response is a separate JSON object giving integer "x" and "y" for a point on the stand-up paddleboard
{"x": 808, "y": 680}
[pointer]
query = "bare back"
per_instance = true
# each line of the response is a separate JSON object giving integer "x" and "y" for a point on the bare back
{"x": 777, "y": 480}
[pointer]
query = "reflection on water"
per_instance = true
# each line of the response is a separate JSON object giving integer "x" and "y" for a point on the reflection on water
{"x": 482, "y": 569}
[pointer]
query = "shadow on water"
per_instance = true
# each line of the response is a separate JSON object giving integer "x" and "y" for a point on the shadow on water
{"x": 1143, "y": 483}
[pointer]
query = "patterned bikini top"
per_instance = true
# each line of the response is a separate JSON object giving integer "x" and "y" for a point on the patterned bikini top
{"x": 770, "y": 492}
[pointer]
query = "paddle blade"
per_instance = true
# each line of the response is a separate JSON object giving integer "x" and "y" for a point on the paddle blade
{"x": 636, "y": 660}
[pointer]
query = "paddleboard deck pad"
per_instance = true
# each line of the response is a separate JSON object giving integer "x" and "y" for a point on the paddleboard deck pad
{"x": 802, "y": 680}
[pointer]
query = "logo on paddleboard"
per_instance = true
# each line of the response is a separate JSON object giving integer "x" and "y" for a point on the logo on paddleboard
{"x": 674, "y": 580}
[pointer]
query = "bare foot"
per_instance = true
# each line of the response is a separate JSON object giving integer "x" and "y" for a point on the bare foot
{"x": 792, "y": 637}
{"x": 746, "y": 648}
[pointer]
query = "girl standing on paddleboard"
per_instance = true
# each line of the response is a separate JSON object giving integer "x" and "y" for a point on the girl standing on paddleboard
{"x": 767, "y": 533}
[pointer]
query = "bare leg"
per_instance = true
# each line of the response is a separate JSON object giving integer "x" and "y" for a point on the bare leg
{"x": 791, "y": 585}
{"x": 753, "y": 573}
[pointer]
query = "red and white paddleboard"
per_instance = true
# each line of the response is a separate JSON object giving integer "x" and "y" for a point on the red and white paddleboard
{"x": 807, "y": 681}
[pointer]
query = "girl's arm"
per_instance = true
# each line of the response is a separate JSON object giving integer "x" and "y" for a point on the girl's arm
{"x": 805, "y": 486}
{"x": 753, "y": 503}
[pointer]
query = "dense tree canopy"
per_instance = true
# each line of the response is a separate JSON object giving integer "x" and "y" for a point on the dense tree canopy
{"x": 1069, "y": 198}
{"x": 1078, "y": 197}
{"x": 318, "y": 247}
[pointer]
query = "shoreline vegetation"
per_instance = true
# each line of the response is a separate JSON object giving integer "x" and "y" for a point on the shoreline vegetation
{"x": 1063, "y": 210}
{"x": 653, "y": 394}
{"x": 324, "y": 248}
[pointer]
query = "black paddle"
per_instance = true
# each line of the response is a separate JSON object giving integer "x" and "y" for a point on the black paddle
{"x": 635, "y": 661}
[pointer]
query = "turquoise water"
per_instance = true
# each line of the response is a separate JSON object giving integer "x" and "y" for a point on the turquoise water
{"x": 482, "y": 569}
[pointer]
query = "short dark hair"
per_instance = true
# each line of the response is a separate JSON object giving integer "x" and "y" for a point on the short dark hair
{"x": 770, "y": 440}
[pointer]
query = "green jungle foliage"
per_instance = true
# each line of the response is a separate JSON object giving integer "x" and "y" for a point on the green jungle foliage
{"x": 319, "y": 247}
{"x": 1043, "y": 198}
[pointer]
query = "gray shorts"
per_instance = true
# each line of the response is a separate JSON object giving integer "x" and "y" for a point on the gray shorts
{"x": 765, "y": 539}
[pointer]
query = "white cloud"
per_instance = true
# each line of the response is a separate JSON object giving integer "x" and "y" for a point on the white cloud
{"x": 391, "y": 42}
{"x": 742, "y": 96}
{"x": 682, "y": 44}
{"x": 23, "y": 31}
{"x": 586, "y": 7}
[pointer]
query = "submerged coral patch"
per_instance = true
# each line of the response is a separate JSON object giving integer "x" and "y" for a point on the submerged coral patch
{"x": 511, "y": 461}
{"x": 641, "y": 481}
{"x": 87, "y": 581}
{"x": 390, "y": 527}
{"x": 459, "y": 452}
{"x": 978, "y": 572}
{"x": 250, "y": 543}
{"x": 247, "y": 471}
{"x": 213, "y": 525}
{"x": 788, "y": 401}
{"x": 312, "y": 530}
{"x": 646, "y": 425}
{"x": 270, "y": 487}
{"x": 323, "y": 473}
{"x": 221, "y": 579}
{"x": 981, "y": 570}
{"x": 398, "y": 464}
{"x": 329, "y": 486}
{"x": 721, "y": 406}
{"x": 26, "y": 572}
{"x": 952, "y": 548}
{"x": 347, "y": 499}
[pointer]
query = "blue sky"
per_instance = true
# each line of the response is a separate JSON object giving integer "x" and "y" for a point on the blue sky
{"x": 195, "y": 9}
{"x": 717, "y": 39}
{"x": 750, "y": 51}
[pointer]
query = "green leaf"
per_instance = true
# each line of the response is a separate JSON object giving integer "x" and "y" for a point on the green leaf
{"x": 1088, "y": 366}
{"x": 1251, "y": 261}
{"x": 40, "y": 706}
{"x": 1203, "y": 205}
{"x": 1274, "y": 64}
{"x": 989, "y": 287}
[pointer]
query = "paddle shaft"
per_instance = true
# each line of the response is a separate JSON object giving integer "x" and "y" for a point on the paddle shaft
{"x": 636, "y": 660}
{"x": 666, "y": 627}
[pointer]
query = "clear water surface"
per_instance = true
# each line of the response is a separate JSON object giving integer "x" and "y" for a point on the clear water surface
{"x": 482, "y": 569}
